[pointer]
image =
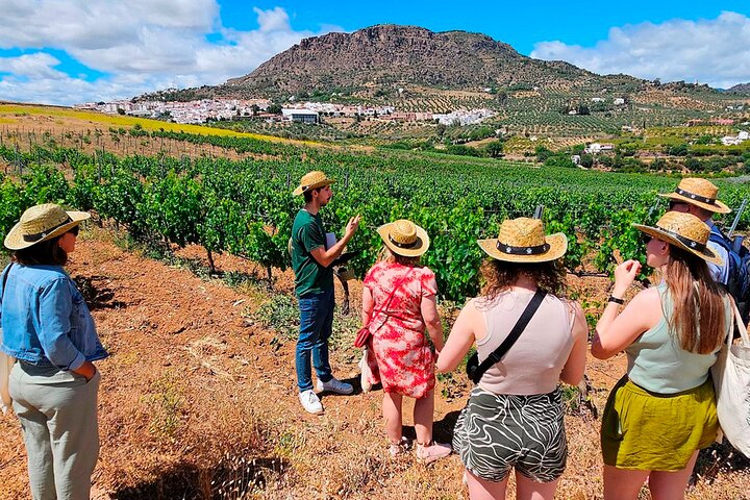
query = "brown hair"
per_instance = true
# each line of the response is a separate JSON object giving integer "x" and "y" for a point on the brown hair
{"x": 308, "y": 194}
{"x": 44, "y": 253}
{"x": 385, "y": 255}
{"x": 498, "y": 276}
{"x": 693, "y": 290}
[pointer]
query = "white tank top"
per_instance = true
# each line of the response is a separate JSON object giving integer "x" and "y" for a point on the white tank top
{"x": 534, "y": 363}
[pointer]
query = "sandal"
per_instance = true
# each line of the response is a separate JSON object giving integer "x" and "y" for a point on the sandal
{"x": 396, "y": 449}
{"x": 434, "y": 451}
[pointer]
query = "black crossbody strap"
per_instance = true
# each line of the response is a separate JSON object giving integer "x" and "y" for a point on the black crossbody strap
{"x": 497, "y": 355}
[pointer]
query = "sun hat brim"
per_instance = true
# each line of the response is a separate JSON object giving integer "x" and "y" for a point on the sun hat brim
{"x": 706, "y": 254}
{"x": 302, "y": 189}
{"x": 419, "y": 248}
{"x": 558, "y": 245}
{"x": 14, "y": 240}
{"x": 718, "y": 207}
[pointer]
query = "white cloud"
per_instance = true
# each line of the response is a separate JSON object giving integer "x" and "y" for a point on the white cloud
{"x": 39, "y": 65}
{"x": 141, "y": 45}
{"x": 713, "y": 51}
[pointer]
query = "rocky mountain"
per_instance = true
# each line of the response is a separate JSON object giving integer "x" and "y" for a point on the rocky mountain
{"x": 740, "y": 88}
{"x": 386, "y": 56}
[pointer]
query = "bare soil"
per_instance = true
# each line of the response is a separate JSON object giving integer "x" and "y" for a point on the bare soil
{"x": 199, "y": 401}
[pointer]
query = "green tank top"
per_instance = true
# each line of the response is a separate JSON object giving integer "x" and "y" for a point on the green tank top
{"x": 657, "y": 362}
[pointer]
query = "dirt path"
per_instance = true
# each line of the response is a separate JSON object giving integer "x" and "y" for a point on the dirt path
{"x": 194, "y": 392}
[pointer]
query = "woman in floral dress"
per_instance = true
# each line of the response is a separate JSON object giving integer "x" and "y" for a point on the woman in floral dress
{"x": 398, "y": 302}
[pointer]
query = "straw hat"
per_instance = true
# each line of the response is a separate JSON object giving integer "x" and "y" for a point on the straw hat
{"x": 312, "y": 180}
{"x": 523, "y": 240}
{"x": 403, "y": 237}
{"x": 41, "y": 223}
{"x": 685, "y": 231}
{"x": 699, "y": 192}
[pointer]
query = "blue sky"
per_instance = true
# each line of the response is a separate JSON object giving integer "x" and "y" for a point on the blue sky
{"x": 64, "y": 52}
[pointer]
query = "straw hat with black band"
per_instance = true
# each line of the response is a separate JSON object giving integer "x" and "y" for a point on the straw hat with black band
{"x": 312, "y": 180}
{"x": 699, "y": 192}
{"x": 405, "y": 238}
{"x": 684, "y": 231}
{"x": 41, "y": 223}
{"x": 523, "y": 240}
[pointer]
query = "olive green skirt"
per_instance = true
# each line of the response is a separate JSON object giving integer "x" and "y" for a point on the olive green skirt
{"x": 642, "y": 430}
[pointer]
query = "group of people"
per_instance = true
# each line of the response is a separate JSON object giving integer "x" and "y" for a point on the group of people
{"x": 656, "y": 419}
{"x": 657, "y": 416}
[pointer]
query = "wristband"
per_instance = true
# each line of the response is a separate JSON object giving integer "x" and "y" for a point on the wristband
{"x": 616, "y": 300}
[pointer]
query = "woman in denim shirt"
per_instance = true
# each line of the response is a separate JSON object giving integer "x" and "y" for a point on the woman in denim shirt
{"x": 47, "y": 327}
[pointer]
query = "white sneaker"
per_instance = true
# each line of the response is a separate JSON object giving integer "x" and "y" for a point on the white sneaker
{"x": 334, "y": 385}
{"x": 310, "y": 402}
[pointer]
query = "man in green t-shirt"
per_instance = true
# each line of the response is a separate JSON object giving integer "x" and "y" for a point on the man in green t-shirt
{"x": 313, "y": 284}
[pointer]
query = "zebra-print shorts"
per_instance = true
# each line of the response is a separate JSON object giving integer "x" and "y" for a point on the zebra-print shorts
{"x": 495, "y": 433}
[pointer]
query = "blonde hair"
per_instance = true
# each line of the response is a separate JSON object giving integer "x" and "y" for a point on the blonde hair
{"x": 386, "y": 255}
{"x": 698, "y": 318}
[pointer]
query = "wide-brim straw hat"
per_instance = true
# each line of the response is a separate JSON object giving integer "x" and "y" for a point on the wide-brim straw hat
{"x": 684, "y": 231}
{"x": 403, "y": 237}
{"x": 523, "y": 240}
{"x": 312, "y": 180}
{"x": 699, "y": 192}
{"x": 41, "y": 223}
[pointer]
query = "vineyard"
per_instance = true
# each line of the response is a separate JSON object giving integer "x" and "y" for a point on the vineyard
{"x": 244, "y": 207}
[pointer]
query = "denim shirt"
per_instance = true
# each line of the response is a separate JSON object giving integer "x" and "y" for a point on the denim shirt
{"x": 45, "y": 320}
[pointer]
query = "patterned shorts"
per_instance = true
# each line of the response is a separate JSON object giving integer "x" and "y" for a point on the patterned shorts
{"x": 495, "y": 433}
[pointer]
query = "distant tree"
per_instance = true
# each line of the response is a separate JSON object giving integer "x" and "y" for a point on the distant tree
{"x": 583, "y": 109}
{"x": 586, "y": 161}
{"x": 274, "y": 109}
{"x": 254, "y": 109}
{"x": 494, "y": 149}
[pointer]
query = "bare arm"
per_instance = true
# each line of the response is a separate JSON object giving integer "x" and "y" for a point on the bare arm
{"x": 326, "y": 257}
{"x": 367, "y": 305}
{"x": 432, "y": 321}
{"x": 459, "y": 341}
{"x": 615, "y": 331}
{"x": 574, "y": 368}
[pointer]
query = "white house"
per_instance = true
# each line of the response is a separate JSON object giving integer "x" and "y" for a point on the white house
{"x": 299, "y": 115}
{"x": 619, "y": 101}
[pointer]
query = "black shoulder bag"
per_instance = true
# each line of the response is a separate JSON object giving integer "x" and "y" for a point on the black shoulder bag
{"x": 475, "y": 370}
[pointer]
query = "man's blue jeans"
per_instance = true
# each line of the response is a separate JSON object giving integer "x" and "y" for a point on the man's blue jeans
{"x": 316, "y": 320}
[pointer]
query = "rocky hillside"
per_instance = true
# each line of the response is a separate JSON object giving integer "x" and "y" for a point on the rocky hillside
{"x": 740, "y": 88}
{"x": 386, "y": 56}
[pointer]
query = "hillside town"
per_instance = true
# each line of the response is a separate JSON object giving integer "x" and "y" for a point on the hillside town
{"x": 206, "y": 110}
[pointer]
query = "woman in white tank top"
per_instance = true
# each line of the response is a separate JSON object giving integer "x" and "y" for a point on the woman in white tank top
{"x": 514, "y": 417}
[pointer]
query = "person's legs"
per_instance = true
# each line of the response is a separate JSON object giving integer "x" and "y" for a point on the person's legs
{"x": 320, "y": 345}
{"x": 623, "y": 484}
{"x": 309, "y": 331}
{"x": 481, "y": 489}
{"x": 392, "y": 416}
{"x": 35, "y": 436}
{"x": 74, "y": 431}
{"x": 423, "y": 413}
{"x": 671, "y": 485}
{"x": 528, "y": 489}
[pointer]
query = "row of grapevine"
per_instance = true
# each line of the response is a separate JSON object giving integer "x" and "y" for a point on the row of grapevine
{"x": 246, "y": 207}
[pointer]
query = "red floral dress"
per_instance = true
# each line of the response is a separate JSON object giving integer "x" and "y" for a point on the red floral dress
{"x": 403, "y": 356}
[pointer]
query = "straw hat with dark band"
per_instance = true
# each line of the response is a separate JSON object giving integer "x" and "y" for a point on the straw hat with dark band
{"x": 41, "y": 223}
{"x": 403, "y": 237}
{"x": 312, "y": 180}
{"x": 685, "y": 231}
{"x": 523, "y": 240}
{"x": 698, "y": 192}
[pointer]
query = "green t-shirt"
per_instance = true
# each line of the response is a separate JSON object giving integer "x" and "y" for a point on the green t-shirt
{"x": 308, "y": 233}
